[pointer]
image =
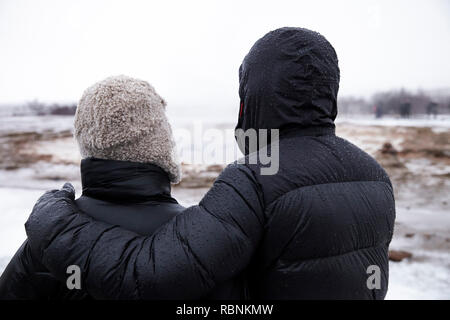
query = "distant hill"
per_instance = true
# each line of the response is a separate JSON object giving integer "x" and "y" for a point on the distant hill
{"x": 37, "y": 109}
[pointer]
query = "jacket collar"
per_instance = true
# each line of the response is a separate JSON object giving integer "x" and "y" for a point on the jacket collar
{"x": 124, "y": 181}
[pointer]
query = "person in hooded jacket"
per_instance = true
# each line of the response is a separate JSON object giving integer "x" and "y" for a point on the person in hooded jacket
{"x": 129, "y": 162}
{"x": 315, "y": 229}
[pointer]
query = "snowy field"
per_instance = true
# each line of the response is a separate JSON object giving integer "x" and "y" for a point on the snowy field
{"x": 421, "y": 180}
{"x": 441, "y": 121}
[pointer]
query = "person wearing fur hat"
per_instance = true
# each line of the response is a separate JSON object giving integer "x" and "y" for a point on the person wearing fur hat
{"x": 129, "y": 162}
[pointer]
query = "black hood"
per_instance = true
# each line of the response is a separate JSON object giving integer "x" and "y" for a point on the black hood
{"x": 289, "y": 79}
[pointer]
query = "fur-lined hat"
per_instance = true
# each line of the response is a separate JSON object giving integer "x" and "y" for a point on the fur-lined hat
{"x": 121, "y": 118}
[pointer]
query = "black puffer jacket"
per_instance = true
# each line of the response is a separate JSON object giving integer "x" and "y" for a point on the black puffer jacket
{"x": 309, "y": 231}
{"x": 132, "y": 195}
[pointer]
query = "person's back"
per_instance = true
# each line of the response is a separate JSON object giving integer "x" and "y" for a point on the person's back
{"x": 135, "y": 196}
{"x": 330, "y": 216}
{"x": 127, "y": 169}
{"x": 330, "y": 207}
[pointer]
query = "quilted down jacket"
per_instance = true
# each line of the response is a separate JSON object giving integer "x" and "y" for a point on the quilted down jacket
{"x": 310, "y": 231}
{"x": 135, "y": 196}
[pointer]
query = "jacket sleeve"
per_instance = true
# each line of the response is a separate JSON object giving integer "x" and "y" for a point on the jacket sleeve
{"x": 205, "y": 245}
{"x": 26, "y": 279}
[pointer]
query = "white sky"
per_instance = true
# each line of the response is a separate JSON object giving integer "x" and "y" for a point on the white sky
{"x": 191, "y": 50}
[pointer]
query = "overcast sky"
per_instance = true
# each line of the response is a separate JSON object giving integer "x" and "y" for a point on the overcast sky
{"x": 191, "y": 50}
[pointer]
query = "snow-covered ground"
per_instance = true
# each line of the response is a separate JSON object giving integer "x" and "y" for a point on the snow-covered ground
{"x": 411, "y": 280}
{"x": 422, "y": 185}
{"x": 441, "y": 121}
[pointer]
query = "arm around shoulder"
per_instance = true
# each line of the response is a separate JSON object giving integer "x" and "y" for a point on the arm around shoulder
{"x": 205, "y": 245}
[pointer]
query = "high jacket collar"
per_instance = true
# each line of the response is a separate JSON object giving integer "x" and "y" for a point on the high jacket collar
{"x": 124, "y": 181}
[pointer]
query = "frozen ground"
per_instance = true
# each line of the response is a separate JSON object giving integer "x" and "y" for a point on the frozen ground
{"x": 421, "y": 179}
{"x": 442, "y": 121}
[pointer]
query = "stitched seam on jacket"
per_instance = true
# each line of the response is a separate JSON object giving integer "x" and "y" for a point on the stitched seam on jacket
{"x": 205, "y": 274}
{"x": 135, "y": 272}
{"x": 88, "y": 258}
{"x": 259, "y": 189}
{"x": 243, "y": 199}
{"x": 332, "y": 256}
{"x": 225, "y": 222}
{"x": 321, "y": 184}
